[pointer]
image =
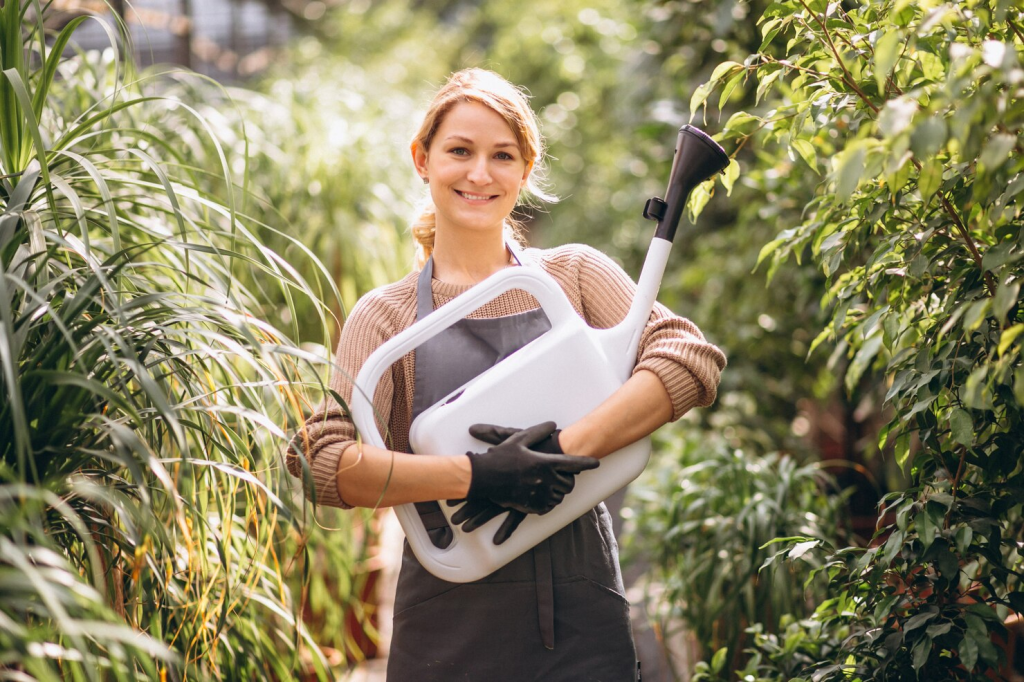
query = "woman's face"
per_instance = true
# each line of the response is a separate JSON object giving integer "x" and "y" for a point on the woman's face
{"x": 475, "y": 167}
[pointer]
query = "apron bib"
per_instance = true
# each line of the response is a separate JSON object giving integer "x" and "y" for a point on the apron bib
{"x": 557, "y": 613}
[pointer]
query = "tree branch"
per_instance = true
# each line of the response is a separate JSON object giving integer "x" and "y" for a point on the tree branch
{"x": 847, "y": 77}
{"x": 990, "y": 283}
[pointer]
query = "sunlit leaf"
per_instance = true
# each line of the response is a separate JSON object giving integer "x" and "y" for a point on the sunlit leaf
{"x": 887, "y": 51}
{"x": 1008, "y": 336}
{"x": 849, "y": 168}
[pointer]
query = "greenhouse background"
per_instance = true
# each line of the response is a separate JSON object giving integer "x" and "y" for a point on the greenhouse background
{"x": 194, "y": 195}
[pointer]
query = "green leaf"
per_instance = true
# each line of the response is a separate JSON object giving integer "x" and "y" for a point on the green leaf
{"x": 999, "y": 255}
{"x": 729, "y": 175}
{"x": 968, "y": 652}
{"x": 723, "y": 69}
{"x": 918, "y": 620}
{"x": 922, "y": 650}
{"x": 1018, "y": 385}
{"x": 896, "y": 115}
{"x": 976, "y": 314}
{"x": 964, "y": 536}
{"x": 949, "y": 567}
{"x": 769, "y": 248}
{"x": 977, "y": 395}
{"x": 1005, "y": 298}
{"x": 884, "y": 608}
{"x": 1009, "y": 336}
{"x": 849, "y": 168}
{"x": 928, "y": 138}
{"x": 699, "y": 198}
{"x": 719, "y": 659}
{"x": 802, "y": 548}
{"x": 930, "y": 179}
{"x": 699, "y": 98}
{"x": 927, "y": 529}
{"x": 730, "y": 86}
{"x": 770, "y": 29}
{"x": 765, "y": 84}
{"x": 806, "y": 151}
{"x": 901, "y": 449}
{"x": 861, "y": 361}
{"x": 887, "y": 52}
{"x": 997, "y": 150}
{"x": 962, "y": 426}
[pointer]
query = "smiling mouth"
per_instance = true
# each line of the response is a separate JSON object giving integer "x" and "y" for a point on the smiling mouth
{"x": 475, "y": 197}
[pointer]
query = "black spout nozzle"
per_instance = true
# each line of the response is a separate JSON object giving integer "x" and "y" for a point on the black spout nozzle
{"x": 697, "y": 158}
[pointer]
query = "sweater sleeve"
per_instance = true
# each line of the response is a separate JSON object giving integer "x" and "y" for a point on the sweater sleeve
{"x": 327, "y": 433}
{"x": 671, "y": 346}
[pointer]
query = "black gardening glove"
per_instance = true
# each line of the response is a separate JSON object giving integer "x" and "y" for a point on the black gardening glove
{"x": 479, "y": 511}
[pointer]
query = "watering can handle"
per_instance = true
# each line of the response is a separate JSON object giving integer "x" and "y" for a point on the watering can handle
{"x": 532, "y": 280}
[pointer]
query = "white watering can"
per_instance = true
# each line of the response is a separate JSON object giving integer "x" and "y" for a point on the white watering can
{"x": 560, "y": 376}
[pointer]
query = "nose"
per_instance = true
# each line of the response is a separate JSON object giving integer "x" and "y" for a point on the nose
{"x": 480, "y": 172}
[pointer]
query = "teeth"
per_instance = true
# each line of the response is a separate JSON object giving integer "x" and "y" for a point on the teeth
{"x": 474, "y": 197}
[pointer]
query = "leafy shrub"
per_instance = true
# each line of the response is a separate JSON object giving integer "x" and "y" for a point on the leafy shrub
{"x": 911, "y": 117}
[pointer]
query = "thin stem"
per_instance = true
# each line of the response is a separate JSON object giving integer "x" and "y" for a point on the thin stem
{"x": 791, "y": 65}
{"x": 1013, "y": 27}
{"x": 956, "y": 484}
{"x": 990, "y": 283}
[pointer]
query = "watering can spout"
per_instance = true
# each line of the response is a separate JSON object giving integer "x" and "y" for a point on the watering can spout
{"x": 697, "y": 158}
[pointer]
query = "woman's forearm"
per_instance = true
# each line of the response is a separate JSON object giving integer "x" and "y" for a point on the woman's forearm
{"x": 635, "y": 410}
{"x": 369, "y": 476}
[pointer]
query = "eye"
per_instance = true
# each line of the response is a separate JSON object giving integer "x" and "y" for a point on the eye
{"x": 459, "y": 151}
{"x": 505, "y": 156}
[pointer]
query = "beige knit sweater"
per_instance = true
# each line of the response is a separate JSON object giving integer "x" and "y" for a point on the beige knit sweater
{"x": 600, "y": 291}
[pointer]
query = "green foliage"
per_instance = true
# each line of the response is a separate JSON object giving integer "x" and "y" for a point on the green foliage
{"x": 909, "y": 118}
{"x": 704, "y": 515}
{"x": 146, "y": 526}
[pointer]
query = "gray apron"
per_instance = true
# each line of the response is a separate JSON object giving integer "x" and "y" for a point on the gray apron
{"x": 558, "y": 612}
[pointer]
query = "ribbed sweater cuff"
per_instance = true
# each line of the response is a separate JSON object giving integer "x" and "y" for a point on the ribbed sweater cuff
{"x": 323, "y": 465}
{"x": 682, "y": 388}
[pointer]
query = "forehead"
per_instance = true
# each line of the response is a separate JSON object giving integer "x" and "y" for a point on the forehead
{"x": 478, "y": 123}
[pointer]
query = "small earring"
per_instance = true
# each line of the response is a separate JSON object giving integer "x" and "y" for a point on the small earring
{"x": 426, "y": 180}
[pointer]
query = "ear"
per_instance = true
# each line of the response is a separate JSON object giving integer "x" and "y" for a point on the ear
{"x": 526, "y": 173}
{"x": 419, "y": 158}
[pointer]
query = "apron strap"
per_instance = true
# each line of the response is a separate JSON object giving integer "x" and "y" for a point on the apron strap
{"x": 438, "y": 530}
{"x": 424, "y": 292}
{"x": 545, "y": 593}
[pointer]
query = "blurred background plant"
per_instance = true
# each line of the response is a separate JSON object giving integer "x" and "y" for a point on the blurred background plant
{"x": 704, "y": 514}
{"x": 147, "y": 531}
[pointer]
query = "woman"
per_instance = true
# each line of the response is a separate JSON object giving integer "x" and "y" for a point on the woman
{"x": 557, "y": 612}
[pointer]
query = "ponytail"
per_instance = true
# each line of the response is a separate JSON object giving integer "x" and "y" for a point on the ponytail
{"x": 423, "y": 231}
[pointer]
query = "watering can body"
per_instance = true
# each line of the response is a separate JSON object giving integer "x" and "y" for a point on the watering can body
{"x": 560, "y": 376}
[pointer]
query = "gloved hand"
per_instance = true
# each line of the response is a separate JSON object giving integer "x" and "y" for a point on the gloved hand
{"x": 489, "y": 433}
{"x": 479, "y": 511}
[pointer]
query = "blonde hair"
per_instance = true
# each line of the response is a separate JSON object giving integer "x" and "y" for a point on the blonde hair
{"x": 511, "y": 103}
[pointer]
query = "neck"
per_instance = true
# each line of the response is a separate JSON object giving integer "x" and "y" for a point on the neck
{"x": 468, "y": 258}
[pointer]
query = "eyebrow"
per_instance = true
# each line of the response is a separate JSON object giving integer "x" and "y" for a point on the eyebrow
{"x": 466, "y": 139}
